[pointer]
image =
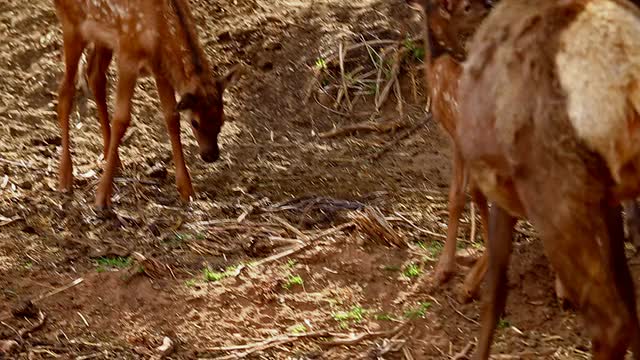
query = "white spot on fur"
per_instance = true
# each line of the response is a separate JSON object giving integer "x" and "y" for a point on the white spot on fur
{"x": 599, "y": 68}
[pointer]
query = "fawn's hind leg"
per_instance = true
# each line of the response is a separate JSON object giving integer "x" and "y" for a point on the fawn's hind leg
{"x": 127, "y": 77}
{"x": 476, "y": 275}
{"x": 97, "y": 65}
{"x": 73, "y": 47}
{"x": 447, "y": 262}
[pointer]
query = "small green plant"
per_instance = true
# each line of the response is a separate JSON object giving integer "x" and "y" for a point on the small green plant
{"x": 503, "y": 323}
{"x": 434, "y": 248}
{"x": 210, "y": 275}
{"x": 417, "y": 52}
{"x": 321, "y": 64}
{"x": 190, "y": 283}
{"x": 298, "y": 329}
{"x": 417, "y": 312}
{"x": 412, "y": 270}
{"x": 28, "y": 265}
{"x": 182, "y": 236}
{"x": 291, "y": 264}
{"x": 214, "y": 276}
{"x": 104, "y": 263}
{"x": 292, "y": 281}
{"x": 384, "y": 317}
{"x": 355, "y": 314}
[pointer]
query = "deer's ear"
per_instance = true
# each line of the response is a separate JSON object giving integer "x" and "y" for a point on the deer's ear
{"x": 230, "y": 77}
{"x": 187, "y": 102}
{"x": 447, "y": 5}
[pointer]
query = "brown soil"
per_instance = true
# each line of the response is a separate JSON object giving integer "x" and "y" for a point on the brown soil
{"x": 271, "y": 155}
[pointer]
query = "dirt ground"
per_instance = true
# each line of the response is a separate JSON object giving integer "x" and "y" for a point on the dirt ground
{"x": 274, "y": 252}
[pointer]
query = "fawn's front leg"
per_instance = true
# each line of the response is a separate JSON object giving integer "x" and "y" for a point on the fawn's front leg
{"x": 172, "y": 119}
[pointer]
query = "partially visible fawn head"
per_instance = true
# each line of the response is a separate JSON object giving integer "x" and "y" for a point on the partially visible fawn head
{"x": 452, "y": 22}
{"x": 204, "y": 108}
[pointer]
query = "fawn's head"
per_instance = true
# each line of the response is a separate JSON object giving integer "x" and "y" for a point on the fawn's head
{"x": 452, "y": 22}
{"x": 204, "y": 108}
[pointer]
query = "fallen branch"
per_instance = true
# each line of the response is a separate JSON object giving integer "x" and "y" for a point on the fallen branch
{"x": 395, "y": 70}
{"x": 337, "y": 339}
{"x": 6, "y": 221}
{"x": 373, "y": 223}
{"x": 424, "y": 231}
{"x": 463, "y": 353}
{"x": 368, "y": 126}
{"x": 310, "y": 241}
{"x": 399, "y": 138}
{"x": 472, "y": 236}
{"x": 345, "y": 87}
{"x": 41, "y": 319}
{"x": 320, "y": 203}
{"x": 460, "y": 312}
{"x": 343, "y": 114}
{"x": 291, "y": 228}
{"x": 59, "y": 290}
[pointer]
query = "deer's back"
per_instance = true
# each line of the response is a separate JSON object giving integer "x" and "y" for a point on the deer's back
{"x": 560, "y": 83}
{"x": 511, "y": 100}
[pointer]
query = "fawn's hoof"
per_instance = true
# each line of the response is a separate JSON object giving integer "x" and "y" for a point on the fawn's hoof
{"x": 65, "y": 184}
{"x": 65, "y": 189}
{"x": 467, "y": 294}
{"x": 102, "y": 208}
{"x": 444, "y": 272}
{"x": 562, "y": 296}
{"x": 186, "y": 192}
{"x": 103, "y": 212}
{"x": 185, "y": 199}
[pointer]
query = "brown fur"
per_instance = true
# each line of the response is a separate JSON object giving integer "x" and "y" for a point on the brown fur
{"x": 149, "y": 37}
{"x": 449, "y": 24}
{"x": 524, "y": 153}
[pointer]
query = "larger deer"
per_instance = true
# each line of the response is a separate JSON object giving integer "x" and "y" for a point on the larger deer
{"x": 550, "y": 130}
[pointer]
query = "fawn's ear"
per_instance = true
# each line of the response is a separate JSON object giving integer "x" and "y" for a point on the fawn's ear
{"x": 187, "y": 102}
{"x": 421, "y": 5}
{"x": 447, "y": 5}
{"x": 230, "y": 77}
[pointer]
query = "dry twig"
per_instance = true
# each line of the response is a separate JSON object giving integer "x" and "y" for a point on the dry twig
{"x": 345, "y": 88}
{"x": 472, "y": 236}
{"x": 463, "y": 353}
{"x": 371, "y": 222}
{"x": 460, "y": 312}
{"x": 296, "y": 249}
{"x": 59, "y": 290}
{"x": 399, "y": 138}
{"x": 335, "y": 340}
{"x": 41, "y": 319}
{"x": 369, "y": 126}
{"x": 395, "y": 70}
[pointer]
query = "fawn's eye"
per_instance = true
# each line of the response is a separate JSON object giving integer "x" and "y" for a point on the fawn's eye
{"x": 467, "y": 8}
{"x": 195, "y": 124}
